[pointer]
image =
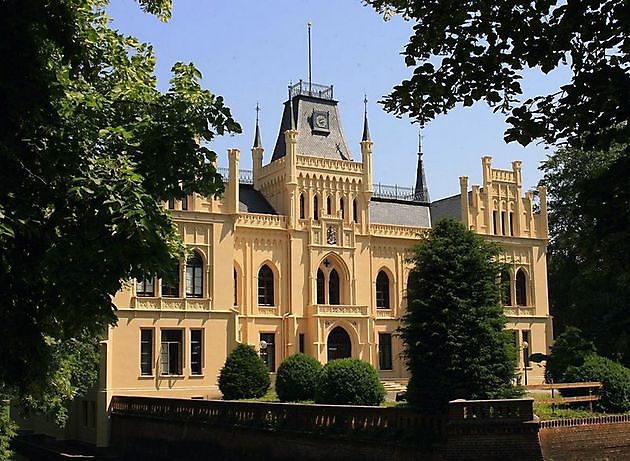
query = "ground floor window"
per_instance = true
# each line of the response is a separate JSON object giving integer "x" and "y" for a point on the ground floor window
{"x": 302, "y": 344}
{"x": 385, "y": 351}
{"x": 171, "y": 352}
{"x": 196, "y": 351}
{"x": 146, "y": 352}
{"x": 268, "y": 350}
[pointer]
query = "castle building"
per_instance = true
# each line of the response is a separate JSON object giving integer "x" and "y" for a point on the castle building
{"x": 305, "y": 254}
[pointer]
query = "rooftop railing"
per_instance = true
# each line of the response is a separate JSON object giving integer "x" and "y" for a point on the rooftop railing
{"x": 393, "y": 192}
{"x": 311, "y": 89}
{"x": 244, "y": 176}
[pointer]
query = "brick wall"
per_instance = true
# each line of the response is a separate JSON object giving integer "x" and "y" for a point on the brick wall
{"x": 601, "y": 438}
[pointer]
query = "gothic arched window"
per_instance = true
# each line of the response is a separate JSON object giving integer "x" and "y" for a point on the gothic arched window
{"x": 320, "y": 287}
{"x": 355, "y": 211}
{"x": 315, "y": 209}
{"x": 302, "y": 206}
{"x": 333, "y": 287}
{"x": 342, "y": 207}
{"x": 194, "y": 276}
{"x": 382, "y": 290}
{"x": 265, "y": 286}
{"x": 521, "y": 288}
{"x": 328, "y": 205}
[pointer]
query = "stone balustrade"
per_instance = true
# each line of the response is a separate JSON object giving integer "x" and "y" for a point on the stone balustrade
{"x": 339, "y": 310}
{"x": 171, "y": 304}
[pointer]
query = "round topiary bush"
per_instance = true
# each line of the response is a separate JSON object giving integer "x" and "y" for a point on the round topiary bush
{"x": 615, "y": 379}
{"x": 244, "y": 375}
{"x": 349, "y": 382}
{"x": 297, "y": 378}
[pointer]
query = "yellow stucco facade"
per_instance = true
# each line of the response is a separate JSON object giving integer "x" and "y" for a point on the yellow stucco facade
{"x": 301, "y": 254}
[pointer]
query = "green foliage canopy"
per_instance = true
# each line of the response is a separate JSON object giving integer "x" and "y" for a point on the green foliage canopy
{"x": 589, "y": 245}
{"x": 349, "y": 382}
{"x": 297, "y": 378}
{"x": 463, "y": 51}
{"x": 244, "y": 375}
{"x": 89, "y": 147}
{"x": 456, "y": 345}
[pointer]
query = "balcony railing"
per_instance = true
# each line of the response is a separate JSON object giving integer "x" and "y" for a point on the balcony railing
{"x": 339, "y": 310}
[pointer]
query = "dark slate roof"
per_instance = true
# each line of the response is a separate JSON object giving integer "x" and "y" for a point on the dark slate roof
{"x": 252, "y": 201}
{"x": 449, "y": 207}
{"x": 316, "y": 144}
{"x": 398, "y": 212}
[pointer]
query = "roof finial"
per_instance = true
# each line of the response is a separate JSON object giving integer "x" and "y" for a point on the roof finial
{"x": 421, "y": 191}
{"x": 291, "y": 107}
{"x": 257, "y": 142}
{"x": 366, "y": 130}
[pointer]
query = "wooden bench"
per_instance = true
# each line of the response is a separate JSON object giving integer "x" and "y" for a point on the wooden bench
{"x": 590, "y": 398}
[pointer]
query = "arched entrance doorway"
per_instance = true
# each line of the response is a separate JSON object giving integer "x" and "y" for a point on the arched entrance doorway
{"x": 339, "y": 344}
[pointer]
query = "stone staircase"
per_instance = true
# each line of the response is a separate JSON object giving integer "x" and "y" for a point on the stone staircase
{"x": 395, "y": 384}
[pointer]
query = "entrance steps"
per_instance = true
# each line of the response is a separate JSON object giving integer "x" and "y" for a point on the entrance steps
{"x": 395, "y": 384}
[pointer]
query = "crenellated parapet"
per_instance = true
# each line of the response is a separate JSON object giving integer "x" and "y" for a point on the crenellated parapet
{"x": 499, "y": 206}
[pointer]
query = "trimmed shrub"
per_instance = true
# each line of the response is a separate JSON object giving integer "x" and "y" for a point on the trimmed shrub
{"x": 244, "y": 375}
{"x": 349, "y": 382}
{"x": 615, "y": 379}
{"x": 569, "y": 350}
{"x": 297, "y": 378}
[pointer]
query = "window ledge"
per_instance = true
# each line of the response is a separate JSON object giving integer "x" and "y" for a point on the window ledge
{"x": 196, "y": 376}
{"x": 172, "y": 376}
{"x": 146, "y": 377}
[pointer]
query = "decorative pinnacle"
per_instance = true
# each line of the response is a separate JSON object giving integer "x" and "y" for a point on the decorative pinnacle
{"x": 257, "y": 141}
{"x": 291, "y": 107}
{"x": 420, "y": 138}
{"x": 366, "y": 130}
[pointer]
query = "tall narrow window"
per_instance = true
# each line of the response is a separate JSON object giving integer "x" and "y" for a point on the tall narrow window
{"x": 235, "y": 288}
{"x": 495, "y": 222}
{"x": 171, "y": 352}
{"x": 196, "y": 351}
{"x": 385, "y": 351}
{"x": 265, "y": 286}
{"x": 382, "y": 290}
{"x": 171, "y": 203}
{"x": 146, "y": 352}
{"x": 355, "y": 211}
{"x": 194, "y": 276}
{"x": 503, "y": 223}
{"x": 328, "y": 205}
{"x": 145, "y": 287}
{"x": 302, "y": 343}
{"x": 320, "y": 287}
{"x": 185, "y": 202}
{"x": 342, "y": 207}
{"x": 521, "y": 288}
{"x": 315, "y": 208}
{"x": 333, "y": 287}
{"x": 506, "y": 289}
{"x": 302, "y": 211}
{"x": 170, "y": 282}
{"x": 268, "y": 350}
{"x": 511, "y": 223}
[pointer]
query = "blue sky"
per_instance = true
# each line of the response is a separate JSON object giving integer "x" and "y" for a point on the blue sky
{"x": 248, "y": 51}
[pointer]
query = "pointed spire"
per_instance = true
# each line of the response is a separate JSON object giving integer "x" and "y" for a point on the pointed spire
{"x": 257, "y": 142}
{"x": 291, "y": 108}
{"x": 366, "y": 130}
{"x": 421, "y": 191}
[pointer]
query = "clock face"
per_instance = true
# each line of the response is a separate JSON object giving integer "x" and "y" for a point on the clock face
{"x": 321, "y": 121}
